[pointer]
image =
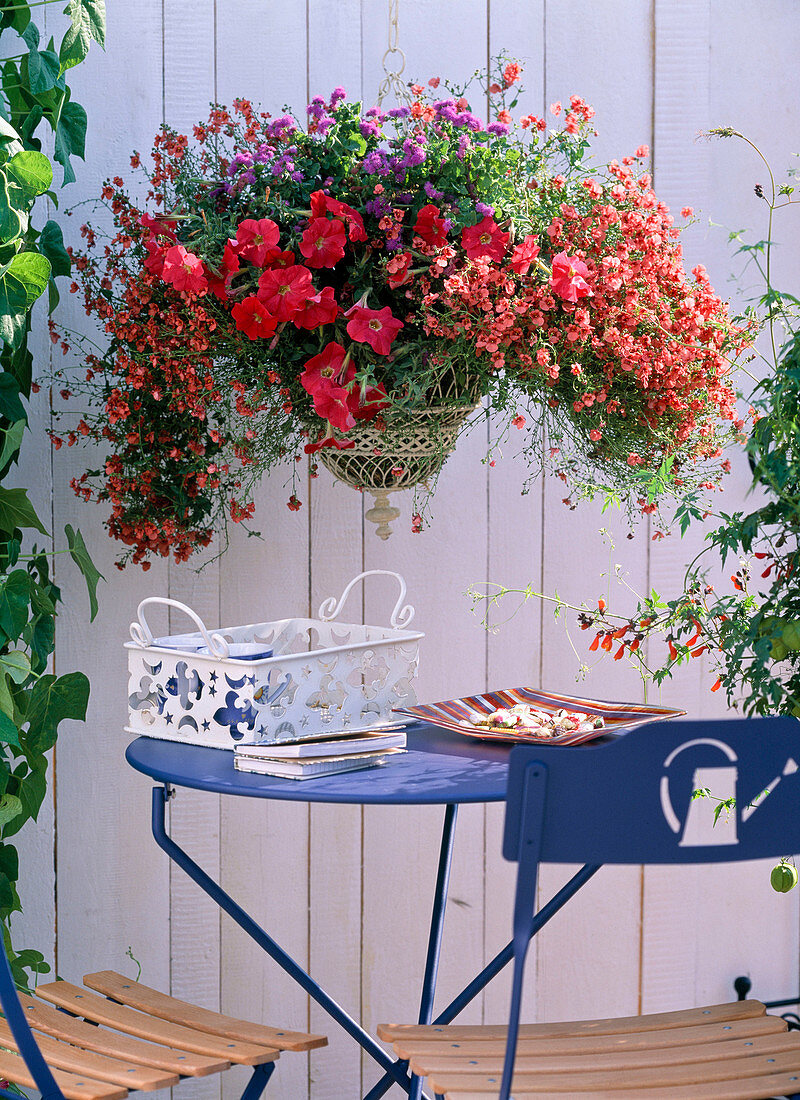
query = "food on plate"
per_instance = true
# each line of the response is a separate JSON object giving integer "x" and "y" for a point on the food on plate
{"x": 532, "y": 722}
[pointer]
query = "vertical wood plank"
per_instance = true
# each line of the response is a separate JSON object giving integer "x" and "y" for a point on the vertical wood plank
{"x": 401, "y": 844}
{"x": 582, "y": 47}
{"x": 335, "y": 556}
{"x": 514, "y": 545}
{"x": 112, "y": 881}
{"x": 265, "y": 845}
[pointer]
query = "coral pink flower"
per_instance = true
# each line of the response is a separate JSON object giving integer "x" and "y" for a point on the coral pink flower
{"x": 323, "y": 242}
{"x": 321, "y": 378}
{"x": 285, "y": 290}
{"x": 159, "y": 226}
{"x": 430, "y": 226}
{"x": 511, "y": 73}
{"x": 254, "y": 239}
{"x": 253, "y": 319}
{"x": 154, "y": 261}
{"x": 319, "y": 310}
{"x": 397, "y": 269}
{"x": 524, "y": 254}
{"x": 484, "y": 239}
{"x": 184, "y": 270}
{"x": 568, "y": 280}
{"x": 322, "y": 204}
{"x": 376, "y": 327}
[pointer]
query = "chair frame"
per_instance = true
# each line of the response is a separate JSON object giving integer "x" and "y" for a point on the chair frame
{"x": 546, "y": 822}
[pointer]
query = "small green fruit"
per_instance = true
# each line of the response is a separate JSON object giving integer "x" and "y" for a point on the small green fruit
{"x": 790, "y": 636}
{"x": 783, "y": 878}
{"x": 779, "y": 650}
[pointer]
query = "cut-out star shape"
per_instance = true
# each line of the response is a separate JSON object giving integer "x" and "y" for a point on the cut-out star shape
{"x": 168, "y": 718}
{"x": 206, "y": 725}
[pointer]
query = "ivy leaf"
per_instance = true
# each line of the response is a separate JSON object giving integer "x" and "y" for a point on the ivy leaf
{"x": 88, "y": 21}
{"x": 12, "y": 441}
{"x": 9, "y": 735}
{"x": 32, "y": 791}
{"x": 9, "y": 861}
{"x": 16, "y": 664}
{"x": 32, "y": 270}
{"x": 51, "y": 245}
{"x": 32, "y": 171}
{"x": 44, "y": 71}
{"x": 70, "y": 138}
{"x": 7, "y": 895}
{"x": 6, "y": 699}
{"x": 42, "y": 641}
{"x": 13, "y": 303}
{"x": 10, "y": 405}
{"x": 17, "y": 511}
{"x": 10, "y": 219}
{"x": 14, "y": 15}
{"x": 15, "y": 591}
{"x": 80, "y": 555}
{"x": 51, "y": 701}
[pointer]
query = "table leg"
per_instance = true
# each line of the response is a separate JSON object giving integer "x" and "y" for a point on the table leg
{"x": 434, "y": 948}
{"x": 502, "y": 959}
{"x": 395, "y": 1071}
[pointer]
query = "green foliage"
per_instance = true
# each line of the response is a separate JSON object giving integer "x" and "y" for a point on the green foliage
{"x": 33, "y": 701}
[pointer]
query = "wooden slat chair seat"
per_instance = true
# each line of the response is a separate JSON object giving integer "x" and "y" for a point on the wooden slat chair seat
{"x": 734, "y": 1051}
{"x": 613, "y": 803}
{"x": 135, "y": 1038}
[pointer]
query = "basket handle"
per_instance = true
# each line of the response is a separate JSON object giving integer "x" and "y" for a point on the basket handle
{"x": 401, "y": 615}
{"x": 143, "y": 635}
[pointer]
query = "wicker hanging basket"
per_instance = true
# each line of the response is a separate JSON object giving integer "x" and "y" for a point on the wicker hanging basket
{"x": 411, "y": 450}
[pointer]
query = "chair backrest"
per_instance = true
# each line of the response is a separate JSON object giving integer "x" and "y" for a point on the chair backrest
{"x": 634, "y": 800}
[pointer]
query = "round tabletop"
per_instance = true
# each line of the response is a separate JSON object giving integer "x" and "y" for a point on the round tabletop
{"x": 439, "y": 767}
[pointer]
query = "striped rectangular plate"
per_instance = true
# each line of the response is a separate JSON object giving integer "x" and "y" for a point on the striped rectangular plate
{"x": 454, "y": 714}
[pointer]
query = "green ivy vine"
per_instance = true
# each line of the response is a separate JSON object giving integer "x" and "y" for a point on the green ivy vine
{"x": 33, "y": 701}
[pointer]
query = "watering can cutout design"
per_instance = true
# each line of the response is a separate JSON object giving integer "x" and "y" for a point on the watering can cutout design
{"x": 699, "y": 828}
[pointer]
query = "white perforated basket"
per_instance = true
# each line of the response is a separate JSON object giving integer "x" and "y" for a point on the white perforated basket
{"x": 315, "y": 676}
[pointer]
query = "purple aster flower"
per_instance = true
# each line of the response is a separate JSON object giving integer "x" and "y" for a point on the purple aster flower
{"x": 497, "y": 128}
{"x": 336, "y": 95}
{"x": 431, "y": 191}
{"x": 367, "y": 128}
{"x": 484, "y": 210}
{"x": 297, "y": 176}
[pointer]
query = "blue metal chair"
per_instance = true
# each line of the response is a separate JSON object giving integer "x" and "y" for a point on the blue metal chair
{"x": 631, "y": 801}
{"x": 92, "y": 1047}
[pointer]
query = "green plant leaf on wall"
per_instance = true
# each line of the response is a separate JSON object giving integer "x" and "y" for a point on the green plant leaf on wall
{"x": 17, "y": 511}
{"x": 15, "y": 592}
{"x": 6, "y": 698}
{"x": 70, "y": 137}
{"x": 9, "y": 735}
{"x": 88, "y": 22}
{"x": 10, "y": 218}
{"x": 32, "y": 270}
{"x": 13, "y": 308}
{"x": 12, "y": 441}
{"x": 14, "y": 16}
{"x": 51, "y": 701}
{"x": 31, "y": 171}
{"x": 11, "y": 406}
{"x": 16, "y": 665}
{"x": 32, "y": 790}
{"x": 80, "y": 555}
{"x": 51, "y": 245}
{"x": 10, "y": 807}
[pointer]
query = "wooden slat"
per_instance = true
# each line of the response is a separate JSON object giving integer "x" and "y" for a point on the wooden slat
{"x": 734, "y": 1069}
{"x": 755, "y": 1088}
{"x": 65, "y": 1056}
{"x": 692, "y": 1017}
{"x": 598, "y": 1044}
{"x": 49, "y": 1020}
{"x": 139, "y": 996}
{"x": 91, "y": 1007}
{"x": 74, "y": 1086}
{"x": 475, "y": 1061}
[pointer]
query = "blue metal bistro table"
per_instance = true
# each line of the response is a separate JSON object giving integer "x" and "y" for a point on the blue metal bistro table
{"x": 440, "y": 768}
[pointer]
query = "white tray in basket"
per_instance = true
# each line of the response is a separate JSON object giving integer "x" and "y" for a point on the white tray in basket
{"x": 316, "y": 676}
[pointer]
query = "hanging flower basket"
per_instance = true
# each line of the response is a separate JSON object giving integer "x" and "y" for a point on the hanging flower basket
{"x": 410, "y": 450}
{"x": 333, "y": 289}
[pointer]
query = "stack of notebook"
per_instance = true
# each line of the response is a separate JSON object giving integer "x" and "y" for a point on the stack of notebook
{"x": 322, "y": 756}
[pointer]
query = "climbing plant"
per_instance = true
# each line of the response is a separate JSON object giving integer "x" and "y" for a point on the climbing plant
{"x": 34, "y": 95}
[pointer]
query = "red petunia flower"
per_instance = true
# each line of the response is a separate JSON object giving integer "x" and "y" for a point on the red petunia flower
{"x": 430, "y": 226}
{"x": 524, "y": 254}
{"x": 321, "y": 377}
{"x": 253, "y": 319}
{"x": 397, "y": 269}
{"x": 159, "y": 226}
{"x": 365, "y": 404}
{"x": 328, "y": 440}
{"x": 323, "y": 242}
{"x": 254, "y": 239}
{"x": 154, "y": 262}
{"x": 184, "y": 270}
{"x": 277, "y": 258}
{"x": 319, "y": 310}
{"x": 376, "y": 327}
{"x": 322, "y": 204}
{"x": 568, "y": 279}
{"x": 285, "y": 290}
{"x": 484, "y": 239}
{"x": 218, "y": 284}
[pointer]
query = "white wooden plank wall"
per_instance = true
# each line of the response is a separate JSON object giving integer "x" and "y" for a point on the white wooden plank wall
{"x": 347, "y": 890}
